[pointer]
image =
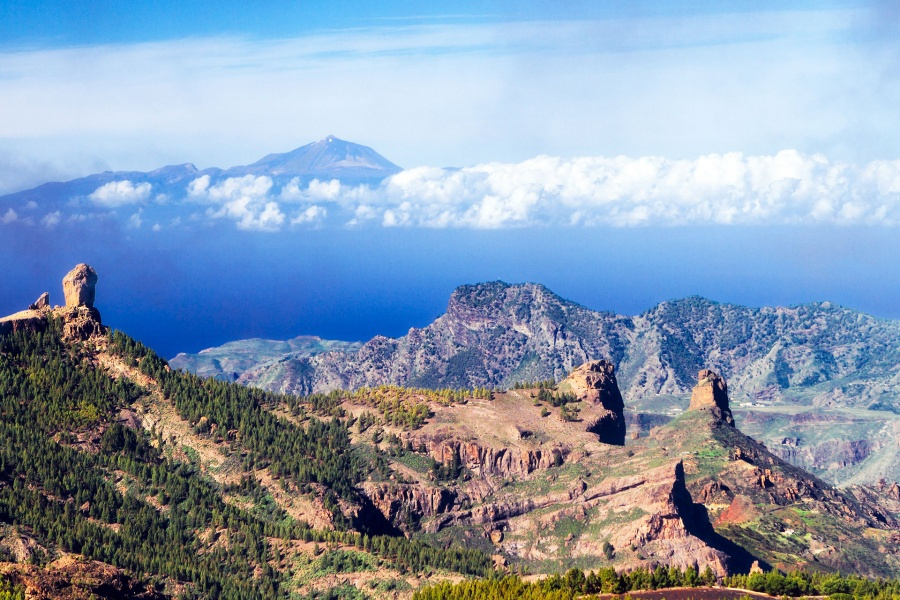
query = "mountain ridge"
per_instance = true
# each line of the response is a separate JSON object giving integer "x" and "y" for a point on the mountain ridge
{"x": 813, "y": 356}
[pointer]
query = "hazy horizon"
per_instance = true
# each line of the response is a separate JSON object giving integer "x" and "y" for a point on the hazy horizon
{"x": 619, "y": 155}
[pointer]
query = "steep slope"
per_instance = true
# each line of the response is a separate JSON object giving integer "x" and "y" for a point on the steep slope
{"x": 187, "y": 486}
{"x": 528, "y": 477}
{"x": 493, "y": 334}
{"x": 819, "y": 384}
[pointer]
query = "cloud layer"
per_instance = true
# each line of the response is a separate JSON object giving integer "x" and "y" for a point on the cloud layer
{"x": 788, "y": 188}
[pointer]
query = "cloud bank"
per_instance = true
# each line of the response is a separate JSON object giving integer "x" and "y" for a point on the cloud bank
{"x": 732, "y": 189}
{"x": 788, "y": 188}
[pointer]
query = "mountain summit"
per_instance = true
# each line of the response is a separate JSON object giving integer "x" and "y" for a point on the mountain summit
{"x": 331, "y": 157}
{"x": 173, "y": 192}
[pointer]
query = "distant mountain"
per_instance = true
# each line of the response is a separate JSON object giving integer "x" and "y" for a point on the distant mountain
{"x": 269, "y": 194}
{"x": 330, "y": 158}
{"x": 818, "y": 383}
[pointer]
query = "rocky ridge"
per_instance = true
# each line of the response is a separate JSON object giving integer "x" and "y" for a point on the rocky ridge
{"x": 818, "y": 357}
{"x": 695, "y": 492}
{"x": 595, "y": 384}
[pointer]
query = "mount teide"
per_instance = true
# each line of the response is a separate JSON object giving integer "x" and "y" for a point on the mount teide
{"x": 329, "y": 158}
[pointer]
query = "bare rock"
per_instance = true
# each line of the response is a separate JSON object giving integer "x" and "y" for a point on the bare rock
{"x": 595, "y": 383}
{"x": 711, "y": 393}
{"x": 79, "y": 286}
{"x": 43, "y": 302}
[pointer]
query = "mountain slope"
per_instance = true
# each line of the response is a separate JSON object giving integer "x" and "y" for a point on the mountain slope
{"x": 206, "y": 488}
{"x": 818, "y": 383}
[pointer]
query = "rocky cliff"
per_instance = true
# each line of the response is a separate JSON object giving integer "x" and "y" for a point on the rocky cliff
{"x": 595, "y": 384}
{"x": 711, "y": 393}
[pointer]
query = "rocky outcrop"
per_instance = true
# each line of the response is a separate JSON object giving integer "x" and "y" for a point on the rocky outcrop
{"x": 488, "y": 461}
{"x": 711, "y": 394}
{"x": 26, "y": 320}
{"x": 79, "y": 286}
{"x": 672, "y": 531}
{"x": 595, "y": 384}
{"x": 402, "y": 504}
{"x": 72, "y": 577}
{"x": 43, "y": 302}
{"x": 80, "y": 320}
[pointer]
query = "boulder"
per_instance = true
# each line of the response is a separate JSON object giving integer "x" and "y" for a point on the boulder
{"x": 79, "y": 286}
{"x": 711, "y": 394}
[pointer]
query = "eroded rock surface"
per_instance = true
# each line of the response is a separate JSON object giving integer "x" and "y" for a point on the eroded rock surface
{"x": 595, "y": 383}
{"x": 80, "y": 319}
{"x": 43, "y": 302}
{"x": 711, "y": 393}
{"x": 79, "y": 286}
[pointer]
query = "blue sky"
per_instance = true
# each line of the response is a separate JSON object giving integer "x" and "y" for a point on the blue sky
{"x": 622, "y": 153}
{"x": 96, "y": 85}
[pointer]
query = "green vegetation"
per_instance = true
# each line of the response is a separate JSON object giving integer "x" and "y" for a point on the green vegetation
{"x": 125, "y": 503}
{"x": 546, "y": 384}
{"x": 398, "y": 406}
{"x": 8, "y": 591}
{"x": 799, "y": 583}
{"x": 575, "y": 583}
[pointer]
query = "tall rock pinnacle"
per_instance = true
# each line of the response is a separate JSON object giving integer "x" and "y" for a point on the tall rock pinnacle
{"x": 711, "y": 393}
{"x": 595, "y": 384}
{"x": 79, "y": 286}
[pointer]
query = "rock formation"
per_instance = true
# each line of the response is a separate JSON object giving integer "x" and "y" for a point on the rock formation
{"x": 595, "y": 384}
{"x": 80, "y": 319}
{"x": 41, "y": 303}
{"x": 711, "y": 393}
{"x": 79, "y": 286}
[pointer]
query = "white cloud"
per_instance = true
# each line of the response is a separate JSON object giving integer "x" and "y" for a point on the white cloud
{"x": 9, "y": 217}
{"x": 786, "y": 188}
{"x": 313, "y": 215}
{"x": 135, "y": 221}
{"x": 120, "y": 193}
{"x": 51, "y": 220}
{"x": 243, "y": 199}
{"x": 315, "y": 191}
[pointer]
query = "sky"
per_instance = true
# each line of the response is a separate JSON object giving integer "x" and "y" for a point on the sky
{"x": 633, "y": 142}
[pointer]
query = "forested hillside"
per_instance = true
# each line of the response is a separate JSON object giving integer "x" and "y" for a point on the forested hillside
{"x": 78, "y": 480}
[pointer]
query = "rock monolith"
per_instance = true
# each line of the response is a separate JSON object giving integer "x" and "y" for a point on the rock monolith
{"x": 595, "y": 384}
{"x": 711, "y": 394}
{"x": 79, "y": 286}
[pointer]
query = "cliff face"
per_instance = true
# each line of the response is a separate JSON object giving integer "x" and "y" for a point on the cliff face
{"x": 711, "y": 393}
{"x": 595, "y": 384}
